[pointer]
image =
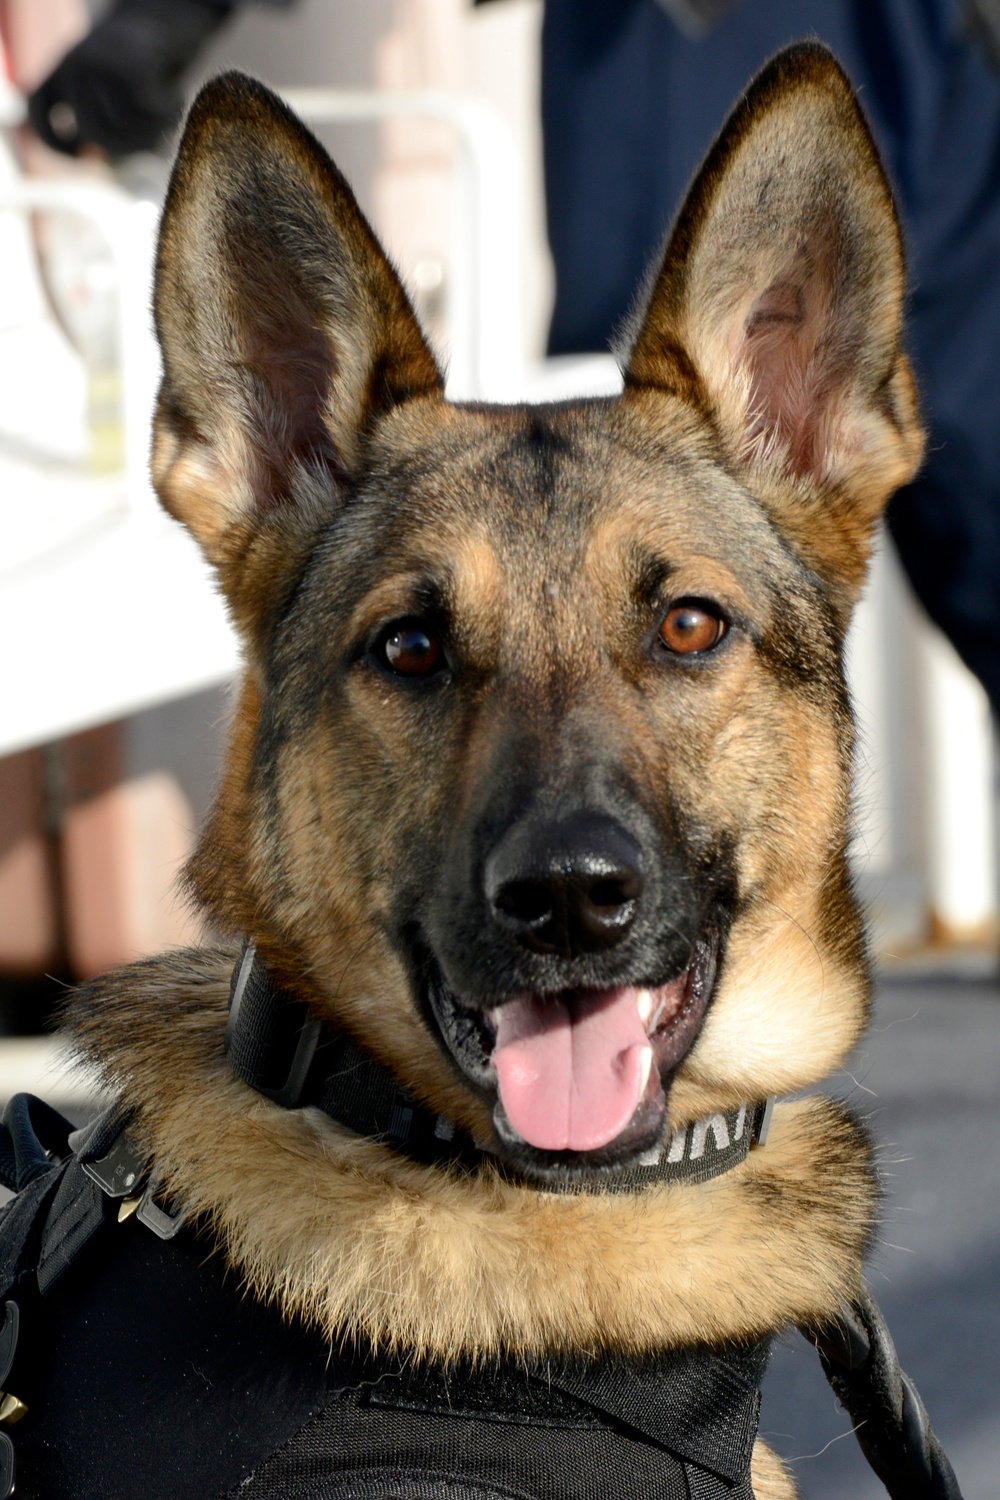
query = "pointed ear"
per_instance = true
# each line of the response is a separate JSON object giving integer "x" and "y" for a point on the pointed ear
{"x": 285, "y": 332}
{"x": 777, "y": 308}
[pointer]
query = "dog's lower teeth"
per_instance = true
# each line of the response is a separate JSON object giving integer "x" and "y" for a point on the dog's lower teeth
{"x": 646, "y": 1068}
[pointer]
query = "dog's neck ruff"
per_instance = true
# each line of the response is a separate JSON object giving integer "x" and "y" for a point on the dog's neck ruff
{"x": 276, "y": 1045}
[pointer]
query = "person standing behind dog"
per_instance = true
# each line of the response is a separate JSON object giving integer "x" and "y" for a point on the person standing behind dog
{"x": 119, "y": 89}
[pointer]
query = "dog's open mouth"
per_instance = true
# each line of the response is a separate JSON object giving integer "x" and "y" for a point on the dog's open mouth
{"x": 579, "y": 1077}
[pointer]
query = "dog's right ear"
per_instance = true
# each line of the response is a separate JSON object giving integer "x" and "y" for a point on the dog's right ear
{"x": 285, "y": 331}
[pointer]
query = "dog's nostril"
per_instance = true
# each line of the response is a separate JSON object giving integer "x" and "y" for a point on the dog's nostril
{"x": 527, "y": 901}
{"x": 611, "y": 894}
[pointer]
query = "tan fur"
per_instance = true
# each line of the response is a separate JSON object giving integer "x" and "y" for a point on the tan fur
{"x": 769, "y": 1477}
{"x": 350, "y": 1236}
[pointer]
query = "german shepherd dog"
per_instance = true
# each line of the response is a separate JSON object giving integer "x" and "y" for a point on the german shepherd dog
{"x": 539, "y": 781}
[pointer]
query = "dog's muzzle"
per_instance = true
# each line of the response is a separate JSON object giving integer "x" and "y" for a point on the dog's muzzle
{"x": 579, "y": 1078}
{"x": 575, "y": 987}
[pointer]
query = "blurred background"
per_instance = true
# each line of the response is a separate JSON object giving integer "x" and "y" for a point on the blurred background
{"x": 116, "y": 659}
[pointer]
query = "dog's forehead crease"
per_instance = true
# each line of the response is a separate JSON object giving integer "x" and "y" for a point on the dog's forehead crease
{"x": 544, "y": 502}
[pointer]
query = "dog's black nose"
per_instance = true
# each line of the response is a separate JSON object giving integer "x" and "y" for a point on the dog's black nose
{"x": 566, "y": 888}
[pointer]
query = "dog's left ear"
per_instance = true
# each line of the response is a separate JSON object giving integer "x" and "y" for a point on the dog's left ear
{"x": 285, "y": 332}
{"x": 777, "y": 310}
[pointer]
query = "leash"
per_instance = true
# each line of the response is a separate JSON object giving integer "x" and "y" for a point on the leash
{"x": 275, "y": 1044}
{"x": 890, "y": 1421}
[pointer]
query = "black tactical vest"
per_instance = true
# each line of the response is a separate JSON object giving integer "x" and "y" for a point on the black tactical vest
{"x": 148, "y": 1374}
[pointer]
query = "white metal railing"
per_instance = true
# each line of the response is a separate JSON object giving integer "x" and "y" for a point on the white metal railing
{"x": 129, "y": 228}
{"x": 927, "y": 830}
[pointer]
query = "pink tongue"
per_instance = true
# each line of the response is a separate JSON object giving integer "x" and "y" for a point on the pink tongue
{"x": 571, "y": 1072}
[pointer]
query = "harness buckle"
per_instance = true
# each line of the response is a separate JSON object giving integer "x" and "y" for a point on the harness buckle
{"x": 164, "y": 1222}
{"x": 117, "y": 1173}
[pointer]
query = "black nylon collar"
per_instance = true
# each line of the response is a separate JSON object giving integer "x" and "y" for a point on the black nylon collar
{"x": 277, "y": 1046}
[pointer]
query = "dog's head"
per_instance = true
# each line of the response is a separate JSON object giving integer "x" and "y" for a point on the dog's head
{"x": 540, "y": 776}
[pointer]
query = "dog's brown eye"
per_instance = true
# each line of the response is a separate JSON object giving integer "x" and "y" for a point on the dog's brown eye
{"x": 691, "y": 627}
{"x": 412, "y": 652}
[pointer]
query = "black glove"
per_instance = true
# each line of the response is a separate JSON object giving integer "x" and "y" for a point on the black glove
{"x": 119, "y": 88}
